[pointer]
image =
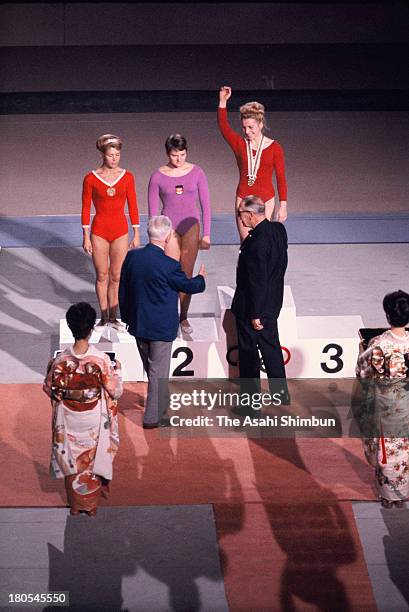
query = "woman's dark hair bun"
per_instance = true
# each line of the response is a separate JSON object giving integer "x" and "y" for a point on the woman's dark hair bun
{"x": 396, "y": 307}
{"x": 81, "y": 319}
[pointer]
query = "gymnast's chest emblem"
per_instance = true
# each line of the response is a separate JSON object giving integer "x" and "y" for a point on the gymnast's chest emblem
{"x": 179, "y": 190}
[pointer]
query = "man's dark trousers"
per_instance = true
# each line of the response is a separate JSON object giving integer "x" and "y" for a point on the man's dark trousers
{"x": 267, "y": 340}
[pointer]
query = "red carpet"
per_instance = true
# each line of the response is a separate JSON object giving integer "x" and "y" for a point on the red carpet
{"x": 286, "y": 530}
{"x": 151, "y": 469}
{"x": 295, "y": 557}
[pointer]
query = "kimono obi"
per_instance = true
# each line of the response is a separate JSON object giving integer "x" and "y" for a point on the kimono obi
{"x": 81, "y": 399}
{"x": 78, "y": 388}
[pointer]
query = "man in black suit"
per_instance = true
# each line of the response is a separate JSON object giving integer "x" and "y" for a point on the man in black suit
{"x": 259, "y": 296}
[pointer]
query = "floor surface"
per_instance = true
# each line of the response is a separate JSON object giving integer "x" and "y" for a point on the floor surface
{"x": 297, "y": 522}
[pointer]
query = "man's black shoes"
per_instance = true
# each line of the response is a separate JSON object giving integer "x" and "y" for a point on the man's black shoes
{"x": 164, "y": 422}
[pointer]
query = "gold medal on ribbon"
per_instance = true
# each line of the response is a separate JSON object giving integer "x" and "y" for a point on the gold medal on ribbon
{"x": 111, "y": 191}
{"x": 253, "y": 163}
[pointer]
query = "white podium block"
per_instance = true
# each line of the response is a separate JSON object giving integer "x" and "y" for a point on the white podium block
{"x": 326, "y": 346}
{"x": 287, "y": 323}
{"x": 109, "y": 339}
{"x": 190, "y": 351}
{"x": 313, "y": 347}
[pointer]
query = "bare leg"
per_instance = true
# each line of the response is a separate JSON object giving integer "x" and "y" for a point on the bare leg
{"x": 189, "y": 246}
{"x": 271, "y": 214}
{"x": 243, "y": 231}
{"x": 117, "y": 253}
{"x": 172, "y": 248}
{"x": 100, "y": 257}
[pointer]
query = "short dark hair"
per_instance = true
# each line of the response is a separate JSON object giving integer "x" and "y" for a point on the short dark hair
{"x": 396, "y": 307}
{"x": 175, "y": 141}
{"x": 81, "y": 319}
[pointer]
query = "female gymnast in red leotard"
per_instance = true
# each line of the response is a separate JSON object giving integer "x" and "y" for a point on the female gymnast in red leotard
{"x": 257, "y": 156}
{"x": 108, "y": 188}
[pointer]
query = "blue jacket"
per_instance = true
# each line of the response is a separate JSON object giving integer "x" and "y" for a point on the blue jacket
{"x": 148, "y": 293}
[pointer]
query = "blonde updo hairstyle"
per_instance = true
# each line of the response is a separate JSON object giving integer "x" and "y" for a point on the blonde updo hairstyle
{"x": 108, "y": 140}
{"x": 253, "y": 110}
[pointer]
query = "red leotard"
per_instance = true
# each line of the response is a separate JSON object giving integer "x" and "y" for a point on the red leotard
{"x": 109, "y": 222}
{"x": 272, "y": 159}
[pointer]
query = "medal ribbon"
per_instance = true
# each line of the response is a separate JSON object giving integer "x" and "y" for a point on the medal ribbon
{"x": 253, "y": 163}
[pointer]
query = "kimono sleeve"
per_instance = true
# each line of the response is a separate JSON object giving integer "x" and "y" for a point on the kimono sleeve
{"x": 112, "y": 379}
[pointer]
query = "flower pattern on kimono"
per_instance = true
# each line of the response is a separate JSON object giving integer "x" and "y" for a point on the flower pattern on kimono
{"x": 86, "y": 483}
{"x": 85, "y": 459}
{"x": 384, "y": 357}
{"x": 113, "y": 407}
{"x": 59, "y": 436}
{"x": 397, "y": 367}
{"x": 378, "y": 359}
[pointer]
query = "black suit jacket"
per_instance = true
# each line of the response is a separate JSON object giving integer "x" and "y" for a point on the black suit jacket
{"x": 260, "y": 272}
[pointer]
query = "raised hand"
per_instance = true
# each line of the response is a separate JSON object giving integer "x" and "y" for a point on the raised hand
{"x": 224, "y": 95}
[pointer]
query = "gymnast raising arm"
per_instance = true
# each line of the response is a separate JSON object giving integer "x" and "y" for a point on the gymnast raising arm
{"x": 257, "y": 157}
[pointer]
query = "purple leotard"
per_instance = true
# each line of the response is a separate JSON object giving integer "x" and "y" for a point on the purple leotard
{"x": 179, "y": 195}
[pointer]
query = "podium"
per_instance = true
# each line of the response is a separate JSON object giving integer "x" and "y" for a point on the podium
{"x": 313, "y": 346}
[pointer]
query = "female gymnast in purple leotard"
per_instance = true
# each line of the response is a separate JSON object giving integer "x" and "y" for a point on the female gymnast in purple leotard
{"x": 179, "y": 185}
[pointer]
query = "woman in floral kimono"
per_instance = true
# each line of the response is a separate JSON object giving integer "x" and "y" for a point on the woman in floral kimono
{"x": 386, "y": 364}
{"x": 83, "y": 387}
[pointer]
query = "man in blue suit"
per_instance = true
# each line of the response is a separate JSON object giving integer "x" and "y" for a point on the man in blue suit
{"x": 148, "y": 298}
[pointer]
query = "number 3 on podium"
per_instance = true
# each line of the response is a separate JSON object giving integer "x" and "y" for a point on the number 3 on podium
{"x": 336, "y": 358}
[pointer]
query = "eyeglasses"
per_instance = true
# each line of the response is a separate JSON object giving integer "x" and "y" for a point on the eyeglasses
{"x": 239, "y": 212}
